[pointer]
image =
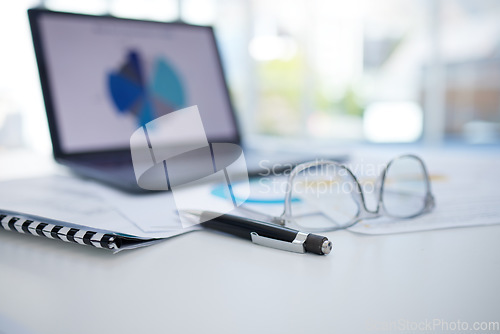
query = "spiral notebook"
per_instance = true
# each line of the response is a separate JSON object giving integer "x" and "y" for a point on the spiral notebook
{"x": 22, "y": 224}
{"x": 84, "y": 212}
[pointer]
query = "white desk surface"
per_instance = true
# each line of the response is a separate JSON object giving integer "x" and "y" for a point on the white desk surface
{"x": 204, "y": 282}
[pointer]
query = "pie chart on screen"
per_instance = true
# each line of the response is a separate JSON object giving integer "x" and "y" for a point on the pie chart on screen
{"x": 146, "y": 93}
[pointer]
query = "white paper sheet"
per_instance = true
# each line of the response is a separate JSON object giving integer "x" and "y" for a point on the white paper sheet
{"x": 466, "y": 190}
{"x": 86, "y": 203}
{"x": 467, "y": 193}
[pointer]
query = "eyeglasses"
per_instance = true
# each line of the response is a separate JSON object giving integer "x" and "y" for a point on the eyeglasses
{"x": 326, "y": 196}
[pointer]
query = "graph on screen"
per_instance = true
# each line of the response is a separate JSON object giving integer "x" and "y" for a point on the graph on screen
{"x": 146, "y": 93}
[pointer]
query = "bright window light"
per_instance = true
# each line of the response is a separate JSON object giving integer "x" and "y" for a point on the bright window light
{"x": 390, "y": 122}
{"x": 87, "y": 7}
{"x": 265, "y": 48}
{"x": 202, "y": 12}
{"x": 151, "y": 10}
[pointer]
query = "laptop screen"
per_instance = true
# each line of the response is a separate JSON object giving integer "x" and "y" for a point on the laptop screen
{"x": 104, "y": 77}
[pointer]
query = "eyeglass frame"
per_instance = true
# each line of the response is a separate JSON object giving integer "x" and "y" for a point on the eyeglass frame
{"x": 286, "y": 218}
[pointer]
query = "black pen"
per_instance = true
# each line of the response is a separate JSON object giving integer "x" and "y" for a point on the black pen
{"x": 263, "y": 233}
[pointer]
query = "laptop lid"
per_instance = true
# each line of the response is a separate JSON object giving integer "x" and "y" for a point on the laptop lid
{"x": 103, "y": 77}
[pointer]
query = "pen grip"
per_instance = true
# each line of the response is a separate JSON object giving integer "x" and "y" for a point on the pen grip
{"x": 242, "y": 227}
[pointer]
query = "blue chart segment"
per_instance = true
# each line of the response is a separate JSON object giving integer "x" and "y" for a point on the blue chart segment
{"x": 259, "y": 194}
{"x": 146, "y": 98}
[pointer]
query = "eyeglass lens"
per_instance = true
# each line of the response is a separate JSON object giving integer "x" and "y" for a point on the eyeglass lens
{"x": 323, "y": 197}
{"x": 404, "y": 188}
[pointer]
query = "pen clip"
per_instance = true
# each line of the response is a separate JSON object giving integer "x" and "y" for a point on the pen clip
{"x": 296, "y": 245}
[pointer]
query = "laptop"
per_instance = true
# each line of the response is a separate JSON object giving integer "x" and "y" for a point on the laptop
{"x": 103, "y": 77}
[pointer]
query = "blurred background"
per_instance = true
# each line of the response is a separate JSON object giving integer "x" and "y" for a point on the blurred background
{"x": 327, "y": 71}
